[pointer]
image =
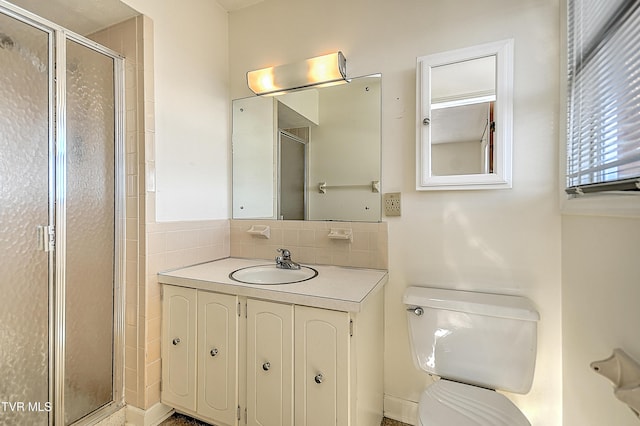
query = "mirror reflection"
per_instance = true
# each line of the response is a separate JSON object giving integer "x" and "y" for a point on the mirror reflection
{"x": 463, "y": 98}
{"x": 309, "y": 155}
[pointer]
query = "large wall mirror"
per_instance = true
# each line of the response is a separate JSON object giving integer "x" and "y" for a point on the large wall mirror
{"x": 464, "y": 116}
{"x": 309, "y": 155}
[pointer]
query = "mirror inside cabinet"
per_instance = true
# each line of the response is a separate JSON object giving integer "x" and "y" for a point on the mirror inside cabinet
{"x": 309, "y": 155}
{"x": 464, "y": 118}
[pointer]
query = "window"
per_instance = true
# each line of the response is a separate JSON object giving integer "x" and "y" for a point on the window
{"x": 603, "y": 140}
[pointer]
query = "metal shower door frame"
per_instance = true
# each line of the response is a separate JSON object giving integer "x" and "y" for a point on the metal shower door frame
{"x": 61, "y": 37}
{"x": 57, "y": 70}
{"x": 305, "y": 184}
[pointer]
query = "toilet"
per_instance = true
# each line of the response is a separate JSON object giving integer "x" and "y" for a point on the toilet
{"x": 475, "y": 343}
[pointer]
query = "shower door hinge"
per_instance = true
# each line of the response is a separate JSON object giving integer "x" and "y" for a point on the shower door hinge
{"x": 46, "y": 238}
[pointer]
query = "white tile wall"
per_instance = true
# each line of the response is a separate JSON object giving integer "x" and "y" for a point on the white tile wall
{"x": 308, "y": 242}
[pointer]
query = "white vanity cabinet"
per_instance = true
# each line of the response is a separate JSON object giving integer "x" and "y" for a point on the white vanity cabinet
{"x": 301, "y": 351}
{"x": 322, "y": 344}
{"x": 179, "y": 312}
{"x": 218, "y": 357}
{"x": 300, "y": 354}
{"x": 270, "y": 363}
{"x": 293, "y": 364}
{"x": 199, "y": 354}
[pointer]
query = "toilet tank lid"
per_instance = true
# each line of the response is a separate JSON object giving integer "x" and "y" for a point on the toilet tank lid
{"x": 495, "y": 305}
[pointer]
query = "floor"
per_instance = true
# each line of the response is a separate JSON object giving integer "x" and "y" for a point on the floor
{"x": 181, "y": 420}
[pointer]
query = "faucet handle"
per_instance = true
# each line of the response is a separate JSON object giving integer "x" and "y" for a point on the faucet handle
{"x": 286, "y": 254}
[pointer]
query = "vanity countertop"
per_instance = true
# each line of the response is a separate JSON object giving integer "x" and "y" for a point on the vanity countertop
{"x": 335, "y": 287}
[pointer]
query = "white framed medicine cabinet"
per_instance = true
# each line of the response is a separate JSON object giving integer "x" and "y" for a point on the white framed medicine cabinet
{"x": 464, "y": 118}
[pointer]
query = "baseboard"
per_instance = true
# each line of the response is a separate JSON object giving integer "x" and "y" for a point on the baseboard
{"x": 401, "y": 410}
{"x": 151, "y": 417}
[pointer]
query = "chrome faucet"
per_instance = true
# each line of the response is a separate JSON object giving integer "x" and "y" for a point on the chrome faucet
{"x": 284, "y": 260}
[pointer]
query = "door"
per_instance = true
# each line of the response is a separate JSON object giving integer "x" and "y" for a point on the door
{"x": 179, "y": 315}
{"x": 321, "y": 367}
{"x": 90, "y": 235}
{"x": 25, "y": 205}
{"x": 292, "y": 179}
{"x": 269, "y": 363}
{"x": 218, "y": 357}
{"x": 60, "y": 200}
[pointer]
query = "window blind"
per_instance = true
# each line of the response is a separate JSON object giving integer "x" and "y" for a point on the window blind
{"x": 603, "y": 141}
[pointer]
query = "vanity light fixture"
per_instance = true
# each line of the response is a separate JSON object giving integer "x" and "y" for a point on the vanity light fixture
{"x": 319, "y": 71}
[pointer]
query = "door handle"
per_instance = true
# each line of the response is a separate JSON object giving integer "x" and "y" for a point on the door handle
{"x": 45, "y": 238}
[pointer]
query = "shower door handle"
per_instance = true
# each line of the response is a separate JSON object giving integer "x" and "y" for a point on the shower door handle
{"x": 46, "y": 238}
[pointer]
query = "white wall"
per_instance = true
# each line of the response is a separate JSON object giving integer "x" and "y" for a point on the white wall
{"x": 191, "y": 109}
{"x": 600, "y": 294}
{"x": 499, "y": 241}
{"x": 601, "y": 291}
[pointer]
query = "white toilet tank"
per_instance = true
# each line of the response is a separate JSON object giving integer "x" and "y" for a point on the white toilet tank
{"x": 482, "y": 339}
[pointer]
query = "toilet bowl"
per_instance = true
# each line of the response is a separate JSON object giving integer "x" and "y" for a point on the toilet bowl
{"x": 456, "y": 404}
{"x": 474, "y": 343}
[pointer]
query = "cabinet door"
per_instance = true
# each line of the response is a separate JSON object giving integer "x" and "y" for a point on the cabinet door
{"x": 178, "y": 347}
{"x": 321, "y": 367}
{"x": 269, "y": 363}
{"x": 218, "y": 357}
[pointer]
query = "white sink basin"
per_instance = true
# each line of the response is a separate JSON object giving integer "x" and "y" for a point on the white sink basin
{"x": 270, "y": 275}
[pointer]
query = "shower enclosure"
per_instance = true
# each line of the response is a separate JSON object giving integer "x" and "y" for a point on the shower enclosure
{"x": 61, "y": 233}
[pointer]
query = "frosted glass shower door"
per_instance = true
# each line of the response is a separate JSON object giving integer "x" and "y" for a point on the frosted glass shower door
{"x": 90, "y": 231}
{"x": 61, "y": 224}
{"x": 293, "y": 163}
{"x": 24, "y": 205}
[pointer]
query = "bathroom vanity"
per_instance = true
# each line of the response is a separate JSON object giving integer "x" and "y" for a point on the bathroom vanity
{"x": 307, "y": 353}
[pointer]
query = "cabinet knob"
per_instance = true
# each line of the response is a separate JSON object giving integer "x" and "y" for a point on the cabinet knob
{"x": 175, "y": 341}
{"x": 266, "y": 366}
{"x": 214, "y": 352}
{"x": 318, "y": 378}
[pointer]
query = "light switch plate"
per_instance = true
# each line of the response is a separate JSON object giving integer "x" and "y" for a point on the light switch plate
{"x": 391, "y": 201}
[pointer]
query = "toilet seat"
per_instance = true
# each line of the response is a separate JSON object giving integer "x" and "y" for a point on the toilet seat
{"x": 447, "y": 403}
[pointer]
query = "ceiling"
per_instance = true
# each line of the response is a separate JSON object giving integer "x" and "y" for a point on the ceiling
{"x": 88, "y": 16}
{"x": 80, "y": 16}
{"x": 231, "y": 5}
{"x": 464, "y": 123}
